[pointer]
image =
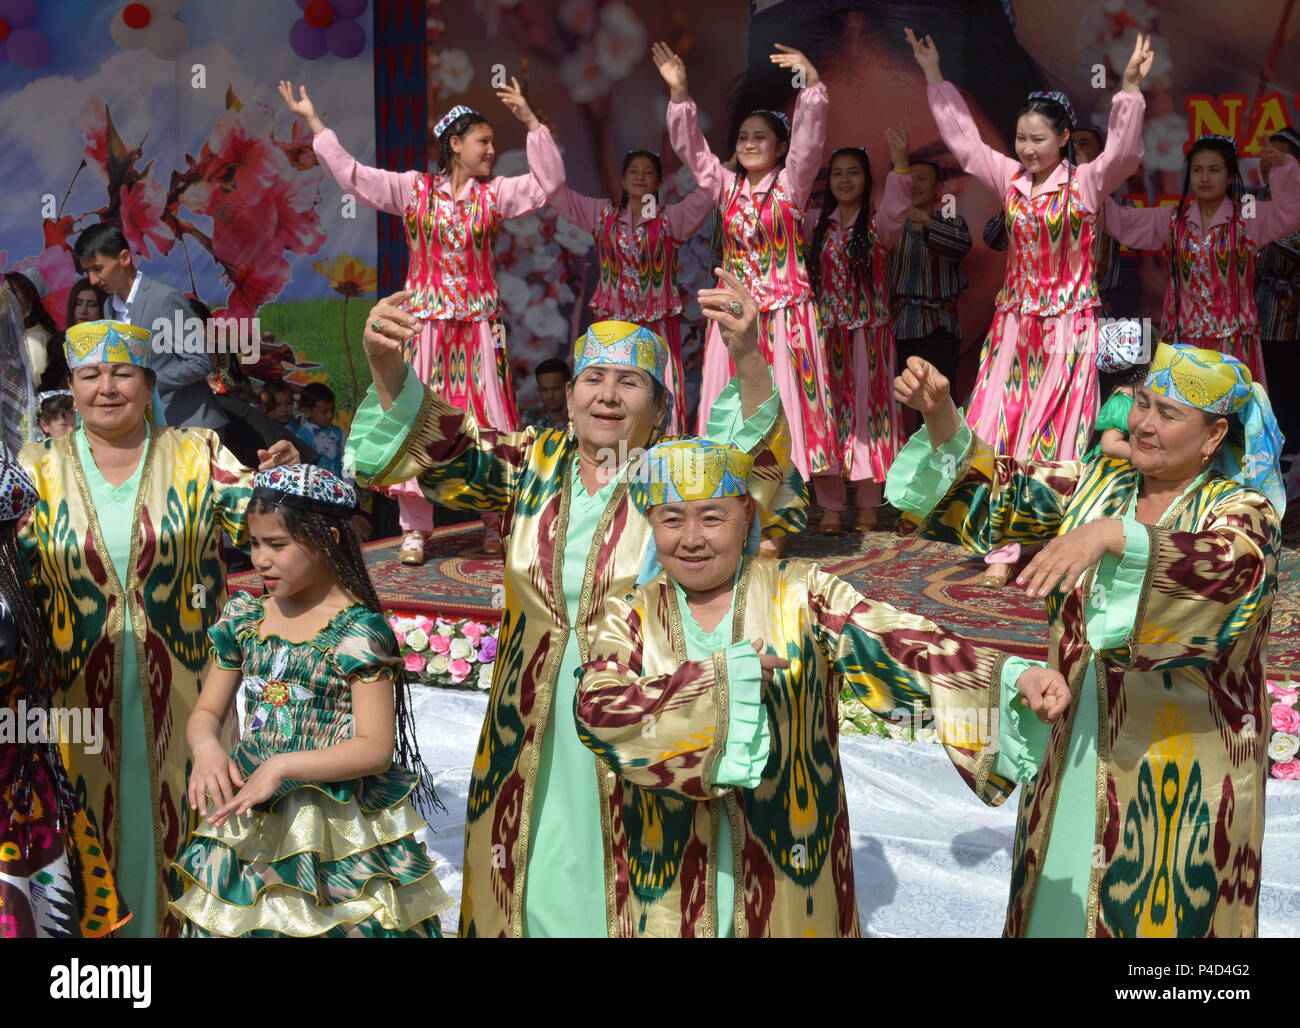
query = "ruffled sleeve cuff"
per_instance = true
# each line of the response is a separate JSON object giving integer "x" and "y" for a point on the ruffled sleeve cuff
{"x": 1117, "y": 590}
{"x": 921, "y": 476}
{"x": 377, "y": 435}
{"x": 727, "y": 425}
{"x": 1022, "y": 738}
{"x": 226, "y": 650}
{"x": 749, "y": 738}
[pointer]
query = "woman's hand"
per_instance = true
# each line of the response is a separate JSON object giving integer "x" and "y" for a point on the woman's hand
{"x": 770, "y": 662}
{"x": 262, "y": 784}
{"x": 898, "y": 148}
{"x": 1139, "y": 64}
{"x": 211, "y": 778}
{"x": 927, "y": 56}
{"x": 736, "y": 313}
{"x": 282, "y": 452}
{"x": 1068, "y": 556}
{"x": 789, "y": 57}
{"x": 1045, "y": 691}
{"x": 513, "y": 97}
{"x": 922, "y": 387}
{"x": 673, "y": 70}
{"x": 303, "y": 107}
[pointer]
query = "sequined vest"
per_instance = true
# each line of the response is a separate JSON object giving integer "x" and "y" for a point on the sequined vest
{"x": 762, "y": 245}
{"x": 1216, "y": 283}
{"x": 452, "y": 252}
{"x": 1051, "y": 253}
{"x": 638, "y": 269}
{"x": 847, "y": 301}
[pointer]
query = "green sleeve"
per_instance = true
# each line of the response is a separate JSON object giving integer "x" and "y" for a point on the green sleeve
{"x": 226, "y": 650}
{"x": 749, "y": 739}
{"x": 368, "y": 650}
{"x": 921, "y": 476}
{"x": 1022, "y": 738}
{"x": 377, "y": 435}
{"x": 727, "y": 425}
{"x": 1114, "y": 412}
{"x": 1117, "y": 589}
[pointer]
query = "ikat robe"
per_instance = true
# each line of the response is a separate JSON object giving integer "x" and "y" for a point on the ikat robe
{"x": 1182, "y": 744}
{"x": 790, "y": 842}
{"x": 191, "y": 488}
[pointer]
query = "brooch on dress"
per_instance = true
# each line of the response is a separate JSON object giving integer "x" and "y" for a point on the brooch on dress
{"x": 275, "y": 695}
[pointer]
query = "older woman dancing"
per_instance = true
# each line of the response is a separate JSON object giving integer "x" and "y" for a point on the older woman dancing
{"x": 1143, "y": 807}
{"x": 540, "y": 831}
{"x": 125, "y": 542}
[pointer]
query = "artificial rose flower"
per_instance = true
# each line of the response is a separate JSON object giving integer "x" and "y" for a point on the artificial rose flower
{"x": 1283, "y": 747}
{"x": 426, "y": 624}
{"x": 472, "y": 631}
{"x": 439, "y": 664}
{"x": 1287, "y": 769}
{"x": 487, "y": 651}
{"x": 414, "y": 663}
{"x": 1285, "y": 719}
{"x": 1284, "y": 693}
{"x": 141, "y": 214}
{"x": 460, "y": 649}
{"x": 445, "y": 627}
{"x": 485, "y": 677}
{"x": 417, "y": 640}
{"x": 440, "y": 644}
{"x": 460, "y": 670}
{"x": 455, "y": 72}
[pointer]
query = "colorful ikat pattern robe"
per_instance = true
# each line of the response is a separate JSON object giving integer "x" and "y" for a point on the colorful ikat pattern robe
{"x": 791, "y": 848}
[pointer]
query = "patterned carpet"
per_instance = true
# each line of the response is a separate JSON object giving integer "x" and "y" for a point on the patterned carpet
{"x": 934, "y": 580}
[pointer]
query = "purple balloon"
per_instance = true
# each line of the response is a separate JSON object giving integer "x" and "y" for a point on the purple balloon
{"x": 349, "y": 8}
{"x": 303, "y": 3}
{"x": 307, "y": 42}
{"x": 345, "y": 38}
{"x": 18, "y": 12}
{"x": 27, "y": 48}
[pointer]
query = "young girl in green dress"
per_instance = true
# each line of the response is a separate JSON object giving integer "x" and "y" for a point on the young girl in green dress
{"x": 1123, "y": 355}
{"x": 309, "y": 827}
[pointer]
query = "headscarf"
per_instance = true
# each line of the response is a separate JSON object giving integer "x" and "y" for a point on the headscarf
{"x": 689, "y": 469}
{"x": 621, "y": 342}
{"x": 1218, "y": 384}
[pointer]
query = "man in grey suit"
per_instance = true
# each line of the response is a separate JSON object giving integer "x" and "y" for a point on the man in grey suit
{"x": 187, "y": 400}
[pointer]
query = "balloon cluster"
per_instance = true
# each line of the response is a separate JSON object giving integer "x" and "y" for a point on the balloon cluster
{"x": 153, "y": 25}
{"x": 328, "y": 26}
{"x": 21, "y": 43}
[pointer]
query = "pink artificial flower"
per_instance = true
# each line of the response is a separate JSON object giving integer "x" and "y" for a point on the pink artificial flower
{"x": 141, "y": 212}
{"x": 415, "y": 663}
{"x": 426, "y": 624}
{"x": 393, "y": 623}
{"x": 1287, "y": 694}
{"x": 94, "y": 129}
{"x": 459, "y": 670}
{"x": 472, "y": 631}
{"x": 440, "y": 644}
{"x": 1285, "y": 719}
{"x": 60, "y": 274}
{"x": 1288, "y": 770}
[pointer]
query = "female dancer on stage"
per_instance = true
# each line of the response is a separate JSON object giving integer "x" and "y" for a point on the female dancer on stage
{"x": 847, "y": 263}
{"x": 762, "y": 206}
{"x": 1211, "y": 244}
{"x": 636, "y": 244}
{"x": 1036, "y": 392}
{"x": 452, "y": 219}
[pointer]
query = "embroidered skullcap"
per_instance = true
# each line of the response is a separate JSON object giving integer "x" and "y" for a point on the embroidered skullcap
{"x": 1057, "y": 97}
{"x": 42, "y": 397}
{"x": 449, "y": 117}
{"x": 17, "y": 493}
{"x": 689, "y": 469}
{"x": 1231, "y": 141}
{"x": 305, "y": 487}
{"x": 106, "y": 342}
{"x": 1219, "y": 384}
{"x": 1290, "y": 134}
{"x": 775, "y": 114}
{"x": 1120, "y": 345}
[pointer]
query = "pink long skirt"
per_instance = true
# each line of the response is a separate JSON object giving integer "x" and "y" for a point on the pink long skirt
{"x": 463, "y": 363}
{"x": 1035, "y": 395}
{"x": 791, "y": 342}
{"x": 862, "y": 370}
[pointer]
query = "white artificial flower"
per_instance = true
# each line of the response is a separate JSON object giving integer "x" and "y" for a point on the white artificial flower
{"x": 1283, "y": 746}
{"x": 513, "y": 290}
{"x": 582, "y": 75}
{"x": 1164, "y": 138}
{"x": 461, "y": 649}
{"x": 446, "y": 629}
{"x": 439, "y": 664}
{"x": 405, "y": 625}
{"x": 418, "y": 640}
{"x": 454, "y": 71}
{"x": 485, "y": 676}
{"x": 572, "y": 238}
{"x": 620, "y": 40}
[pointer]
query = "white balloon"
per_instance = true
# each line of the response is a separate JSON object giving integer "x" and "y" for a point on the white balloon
{"x": 168, "y": 38}
{"x": 162, "y": 8}
{"x": 124, "y": 36}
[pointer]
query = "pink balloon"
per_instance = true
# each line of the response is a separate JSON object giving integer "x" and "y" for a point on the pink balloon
{"x": 308, "y": 43}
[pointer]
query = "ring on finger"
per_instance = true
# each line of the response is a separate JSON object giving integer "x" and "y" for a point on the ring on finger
{"x": 377, "y": 325}
{"x": 735, "y": 307}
